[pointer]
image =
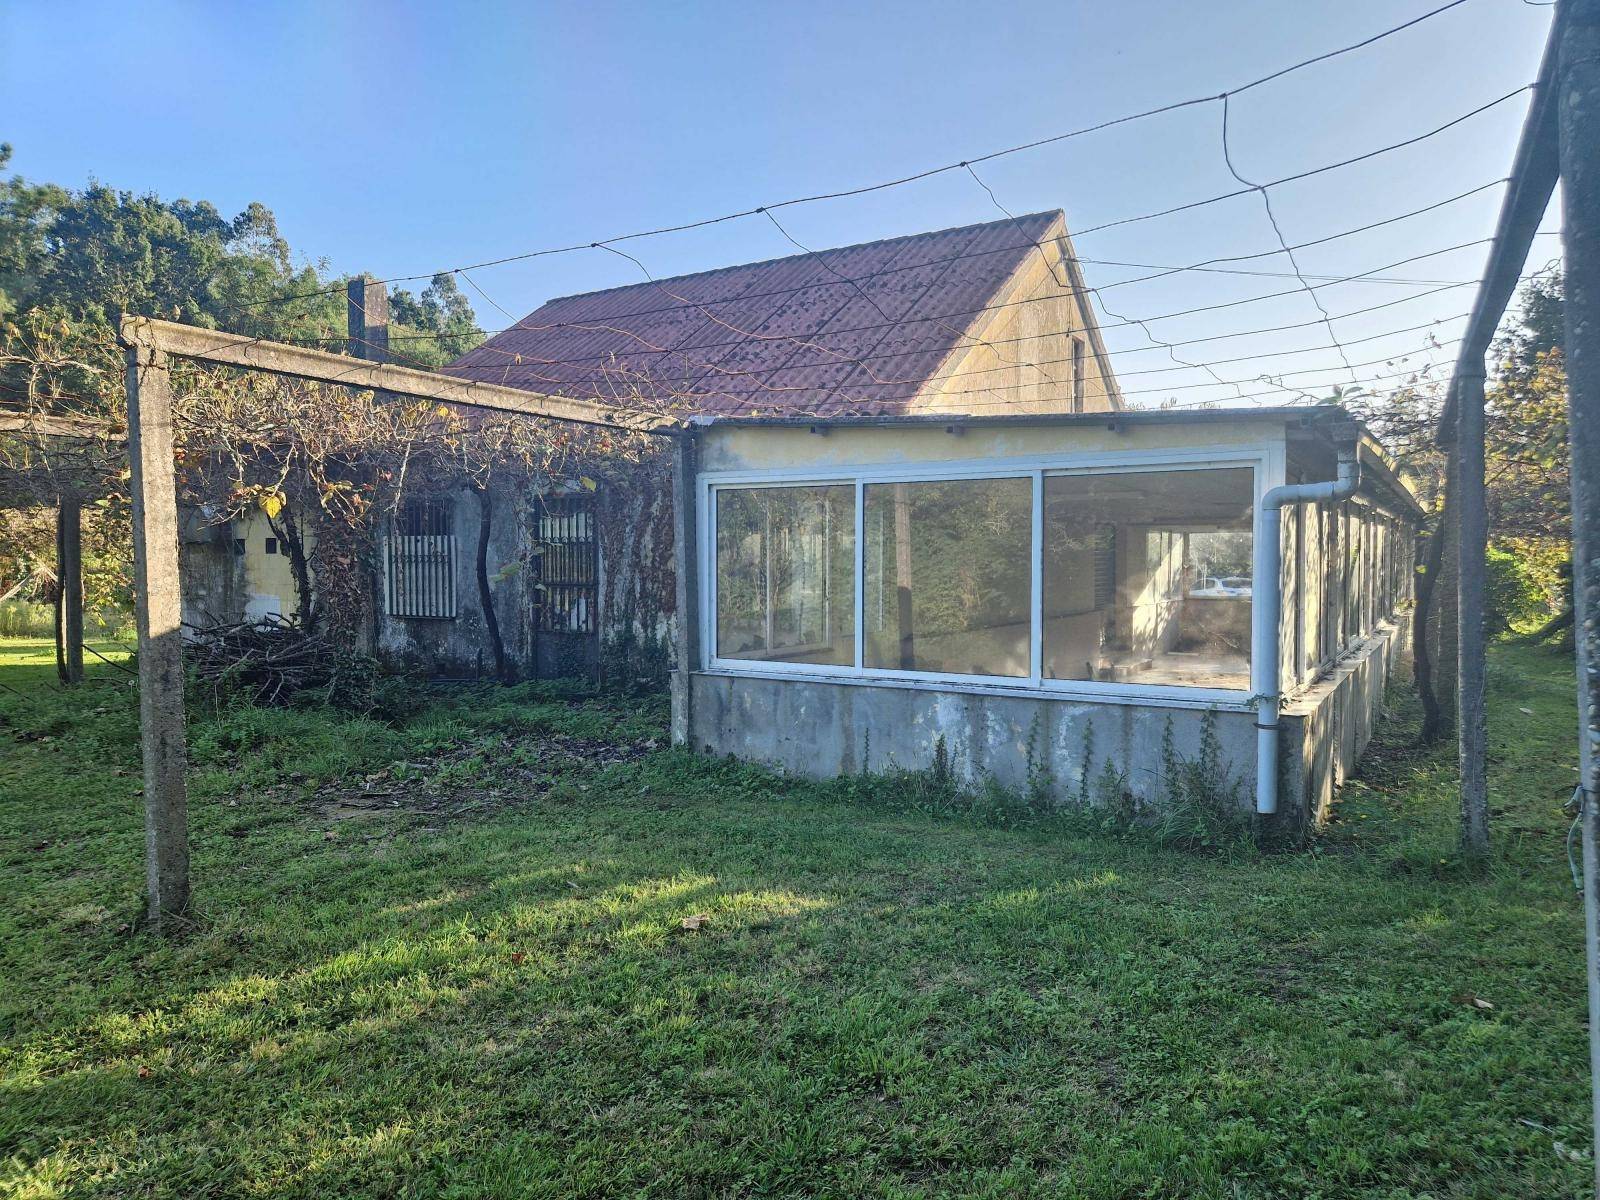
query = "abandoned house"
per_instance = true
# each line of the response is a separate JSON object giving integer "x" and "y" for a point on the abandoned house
{"x": 911, "y": 324}
{"x": 909, "y": 518}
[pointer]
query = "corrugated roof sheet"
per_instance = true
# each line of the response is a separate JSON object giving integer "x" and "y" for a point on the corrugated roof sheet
{"x": 854, "y": 330}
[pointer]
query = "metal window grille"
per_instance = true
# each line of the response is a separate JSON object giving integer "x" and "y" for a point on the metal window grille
{"x": 420, "y": 561}
{"x": 568, "y": 572}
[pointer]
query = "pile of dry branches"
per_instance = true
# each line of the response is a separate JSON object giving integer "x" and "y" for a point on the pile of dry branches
{"x": 259, "y": 662}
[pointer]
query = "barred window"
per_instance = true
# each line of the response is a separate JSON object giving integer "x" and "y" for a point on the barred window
{"x": 566, "y": 592}
{"x": 419, "y": 577}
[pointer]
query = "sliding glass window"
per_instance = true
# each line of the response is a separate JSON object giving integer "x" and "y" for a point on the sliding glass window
{"x": 1147, "y": 577}
{"x": 785, "y": 561}
{"x": 949, "y": 576}
{"x": 1143, "y": 577}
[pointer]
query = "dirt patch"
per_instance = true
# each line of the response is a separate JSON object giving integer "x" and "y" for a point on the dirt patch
{"x": 476, "y": 777}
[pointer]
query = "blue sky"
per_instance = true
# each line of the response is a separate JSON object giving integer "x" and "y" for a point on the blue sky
{"x": 401, "y": 139}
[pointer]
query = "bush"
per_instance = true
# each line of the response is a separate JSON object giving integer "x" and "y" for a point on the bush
{"x": 357, "y": 683}
{"x": 22, "y": 618}
{"x": 1514, "y": 596}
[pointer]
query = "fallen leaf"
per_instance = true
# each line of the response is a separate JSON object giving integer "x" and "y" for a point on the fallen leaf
{"x": 1477, "y": 1002}
{"x": 698, "y": 921}
{"x": 1529, "y": 711}
{"x": 518, "y": 957}
{"x": 145, "y": 1072}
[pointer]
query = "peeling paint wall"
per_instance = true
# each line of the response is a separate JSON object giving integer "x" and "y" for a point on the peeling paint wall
{"x": 823, "y": 729}
{"x": 635, "y": 589}
{"x": 638, "y": 594}
{"x": 1326, "y": 729}
{"x": 460, "y": 646}
{"x": 210, "y": 573}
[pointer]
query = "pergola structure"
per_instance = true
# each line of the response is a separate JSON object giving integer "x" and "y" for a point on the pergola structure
{"x": 150, "y": 345}
{"x": 1560, "y": 141}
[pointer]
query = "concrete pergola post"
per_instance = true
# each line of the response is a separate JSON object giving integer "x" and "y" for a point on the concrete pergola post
{"x": 158, "y": 599}
{"x": 1472, "y": 549}
{"x": 1578, "y": 140}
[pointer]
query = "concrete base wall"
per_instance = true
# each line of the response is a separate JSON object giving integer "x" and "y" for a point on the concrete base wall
{"x": 823, "y": 728}
{"x": 1327, "y": 727}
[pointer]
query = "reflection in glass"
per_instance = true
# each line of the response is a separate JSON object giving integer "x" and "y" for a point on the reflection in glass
{"x": 949, "y": 576}
{"x": 786, "y": 574}
{"x": 1147, "y": 577}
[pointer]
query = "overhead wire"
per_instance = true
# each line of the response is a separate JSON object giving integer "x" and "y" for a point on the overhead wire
{"x": 1305, "y": 285}
{"x": 1203, "y": 266}
{"x": 914, "y": 177}
{"x": 1120, "y": 323}
{"x": 1272, "y": 219}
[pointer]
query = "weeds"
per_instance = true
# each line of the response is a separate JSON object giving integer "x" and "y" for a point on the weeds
{"x": 1201, "y": 807}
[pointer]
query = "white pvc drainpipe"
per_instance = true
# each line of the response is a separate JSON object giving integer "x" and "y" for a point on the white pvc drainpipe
{"x": 1268, "y": 594}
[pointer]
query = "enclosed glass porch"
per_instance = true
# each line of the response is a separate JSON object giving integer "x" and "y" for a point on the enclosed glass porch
{"x": 1137, "y": 576}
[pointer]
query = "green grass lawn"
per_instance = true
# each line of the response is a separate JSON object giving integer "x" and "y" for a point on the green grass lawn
{"x": 449, "y": 959}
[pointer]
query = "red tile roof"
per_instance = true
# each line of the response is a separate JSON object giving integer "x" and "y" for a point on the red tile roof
{"x": 856, "y": 330}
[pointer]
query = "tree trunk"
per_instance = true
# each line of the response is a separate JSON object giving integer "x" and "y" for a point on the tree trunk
{"x": 1550, "y": 628}
{"x": 502, "y": 668}
{"x": 289, "y": 534}
{"x": 1433, "y": 629}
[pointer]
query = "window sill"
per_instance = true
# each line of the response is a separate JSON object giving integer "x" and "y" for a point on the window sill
{"x": 1106, "y": 694}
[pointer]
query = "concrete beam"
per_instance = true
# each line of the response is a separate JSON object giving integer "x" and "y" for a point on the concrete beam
{"x": 276, "y": 358}
{"x": 51, "y": 425}
{"x": 157, "y": 608}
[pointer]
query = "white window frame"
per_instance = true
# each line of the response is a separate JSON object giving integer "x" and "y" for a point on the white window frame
{"x": 1265, "y": 459}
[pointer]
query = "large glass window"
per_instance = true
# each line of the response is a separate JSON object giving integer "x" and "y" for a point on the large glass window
{"x": 949, "y": 576}
{"x": 1147, "y": 577}
{"x": 786, "y": 589}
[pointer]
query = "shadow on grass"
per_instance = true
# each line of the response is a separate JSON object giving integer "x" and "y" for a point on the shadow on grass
{"x": 881, "y": 1003}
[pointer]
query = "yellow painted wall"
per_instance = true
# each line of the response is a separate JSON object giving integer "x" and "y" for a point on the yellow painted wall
{"x": 268, "y": 579}
{"x": 1019, "y": 359}
{"x": 782, "y": 448}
